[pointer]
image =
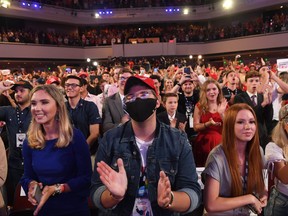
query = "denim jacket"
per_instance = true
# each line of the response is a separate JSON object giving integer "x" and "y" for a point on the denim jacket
{"x": 170, "y": 152}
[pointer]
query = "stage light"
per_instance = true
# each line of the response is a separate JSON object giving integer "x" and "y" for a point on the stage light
{"x": 186, "y": 11}
{"x": 88, "y": 59}
{"x": 5, "y": 3}
{"x": 190, "y": 56}
{"x": 105, "y": 12}
{"x": 227, "y": 4}
{"x": 95, "y": 63}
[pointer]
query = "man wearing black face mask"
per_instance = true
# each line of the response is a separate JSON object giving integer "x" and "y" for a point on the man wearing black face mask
{"x": 162, "y": 155}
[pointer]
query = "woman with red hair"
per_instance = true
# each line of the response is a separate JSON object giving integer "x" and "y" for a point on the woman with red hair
{"x": 234, "y": 183}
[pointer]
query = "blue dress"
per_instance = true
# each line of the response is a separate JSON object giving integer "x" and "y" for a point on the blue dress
{"x": 52, "y": 165}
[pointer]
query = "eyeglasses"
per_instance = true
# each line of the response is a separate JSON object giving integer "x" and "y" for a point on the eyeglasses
{"x": 72, "y": 85}
{"x": 143, "y": 94}
{"x": 123, "y": 78}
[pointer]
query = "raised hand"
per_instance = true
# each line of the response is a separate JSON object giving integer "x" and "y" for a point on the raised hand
{"x": 116, "y": 182}
{"x": 163, "y": 190}
{"x": 182, "y": 126}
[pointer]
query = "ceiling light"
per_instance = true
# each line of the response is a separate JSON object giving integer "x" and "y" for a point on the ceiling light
{"x": 227, "y": 4}
{"x": 186, "y": 11}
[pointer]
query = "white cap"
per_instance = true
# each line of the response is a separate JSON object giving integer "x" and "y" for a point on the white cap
{"x": 5, "y": 72}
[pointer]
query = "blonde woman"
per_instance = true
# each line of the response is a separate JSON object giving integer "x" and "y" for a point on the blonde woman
{"x": 56, "y": 158}
{"x": 277, "y": 154}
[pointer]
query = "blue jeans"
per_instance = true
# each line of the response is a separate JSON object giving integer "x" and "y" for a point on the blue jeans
{"x": 277, "y": 204}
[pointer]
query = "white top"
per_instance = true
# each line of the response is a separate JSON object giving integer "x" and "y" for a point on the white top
{"x": 274, "y": 153}
{"x": 277, "y": 99}
{"x": 142, "y": 205}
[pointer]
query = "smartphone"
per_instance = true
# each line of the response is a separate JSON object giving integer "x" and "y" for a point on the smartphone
{"x": 187, "y": 70}
{"x": 155, "y": 70}
{"x": 37, "y": 193}
{"x": 251, "y": 207}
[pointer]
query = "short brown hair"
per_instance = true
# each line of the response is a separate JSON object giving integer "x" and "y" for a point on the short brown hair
{"x": 169, "y": 94}
{"x": 252, "y": 74}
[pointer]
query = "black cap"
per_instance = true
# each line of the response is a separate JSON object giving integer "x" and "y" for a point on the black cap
{"x": 23, "y": 83}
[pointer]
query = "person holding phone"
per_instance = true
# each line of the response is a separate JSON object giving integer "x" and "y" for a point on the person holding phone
{"x": 234, "y": 183}
{"x": 56, "y": 158}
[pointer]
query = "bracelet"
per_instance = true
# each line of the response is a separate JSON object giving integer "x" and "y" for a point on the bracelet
{"x": 171, "y": 200}
{"x": 59, "y": 188}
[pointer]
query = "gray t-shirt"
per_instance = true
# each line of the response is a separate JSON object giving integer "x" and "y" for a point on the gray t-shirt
{"x": 217, "y": 167}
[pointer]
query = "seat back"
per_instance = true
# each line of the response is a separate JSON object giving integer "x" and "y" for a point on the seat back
{"x": 21, "y": 204}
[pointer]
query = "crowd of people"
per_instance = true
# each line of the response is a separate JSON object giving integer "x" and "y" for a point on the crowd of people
{"x": 107, "y": 35}
{"x": 132, "y": 137}
{"x": 93, "y": 4}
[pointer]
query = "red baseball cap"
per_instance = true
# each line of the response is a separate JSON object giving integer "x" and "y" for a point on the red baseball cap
{"x": 137, "y": 79}
{"x": 53, "y": 79}
{"x": 83, "y": 74}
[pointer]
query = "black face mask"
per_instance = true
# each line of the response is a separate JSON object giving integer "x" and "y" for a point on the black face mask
{"x": 141, "y": 109}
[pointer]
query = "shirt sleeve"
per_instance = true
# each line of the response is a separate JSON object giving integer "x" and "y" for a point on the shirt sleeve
{"x": 29, "y": 173}
{"x": 212, "y": 167}
{"x": 94, "y": 116}
{"x": 273, "y": 153}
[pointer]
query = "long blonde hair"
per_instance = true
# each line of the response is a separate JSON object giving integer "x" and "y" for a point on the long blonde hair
{"x": 203, "y": 102}
{"x": 36, "y": 133}
{"x": 255, "y": 181}
{"x": 280, "y": 136}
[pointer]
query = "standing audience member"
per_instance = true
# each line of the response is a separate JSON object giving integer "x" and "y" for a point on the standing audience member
{"x": 168, "y": 85}
{"x": 144, "y": 167}
{"x": 157, "y": 83}
{"x": 188, "y": 99}
{"x": 261, "y": 103}
{"x": 101, "y": 97}
{"x": 231, "y": 89}
{"x": 233, "y": 172}
{"x": 113, "y": 111}
{"x": 171, "y": 116}
{"x": 208, "y": 115}
{"x": 277, "y": 154}
{"x": 56, "y": 157}
{"x": 17, "y": 123}
{"x": 86, "y": 95}
{"x": 3, "y": 175}
{"x": 83, "y": 114}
